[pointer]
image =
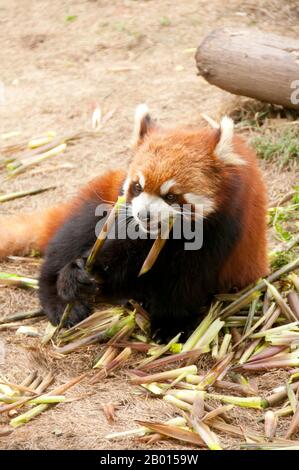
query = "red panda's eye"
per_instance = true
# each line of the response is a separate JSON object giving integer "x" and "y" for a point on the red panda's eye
{"x": 137, "y": 188}
{"x": 170, "y": 197}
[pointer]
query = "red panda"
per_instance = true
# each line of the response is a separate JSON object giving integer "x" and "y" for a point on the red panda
{"x": 206, "y": 168}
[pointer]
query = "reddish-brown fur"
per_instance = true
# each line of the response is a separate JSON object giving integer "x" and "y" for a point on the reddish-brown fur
{"x": 163, "y": 155}
{"x": 22, "y": 233}
{"x": 190, "y": 148}
{"x": 248, "y": 261}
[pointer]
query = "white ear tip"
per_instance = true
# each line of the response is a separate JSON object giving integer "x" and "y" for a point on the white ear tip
{"x": 227, "y": 124}
{"x": 141, "y": 111}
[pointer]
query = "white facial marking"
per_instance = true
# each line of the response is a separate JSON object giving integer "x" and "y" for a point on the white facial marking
{"x": 141, "y": 179}
{"x": 154, "y": 205}
{"x": 224, "y": 149}
{"x": 165, "y": 187}
{"x": 201, "y": 203}
{"x": 126, "y": 185}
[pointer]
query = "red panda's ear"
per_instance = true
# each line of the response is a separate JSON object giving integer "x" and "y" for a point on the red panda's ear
{"x": 143, "y": 124}
{"x": 224, "y": 149}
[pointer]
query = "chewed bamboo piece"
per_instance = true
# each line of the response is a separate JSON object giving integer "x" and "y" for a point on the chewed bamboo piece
{"x": 156, "y": 248}
{"x": 104, "y": 233}
{"x": 95, "y": 251}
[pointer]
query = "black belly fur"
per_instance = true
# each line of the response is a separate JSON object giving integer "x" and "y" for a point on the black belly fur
{"x": 174, "y": 291}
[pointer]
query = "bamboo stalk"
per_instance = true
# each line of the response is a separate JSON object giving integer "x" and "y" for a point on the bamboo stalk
{"x": 180, "y": 357}
{"x": 246, "y": 402}
{"x": 293, "y": 299}
{"x": 200, "y": 330}
{"x": 88, "y": 340}
{"x": 267, "y": 353}
{"x": 224, "y": 345}
{"x": 30, "y": 414}
{"x": 46, "y": 381}
{"x": 204, "y": 432}
{"x": 174, "y": 431}
{"x": 295, "y": 280}
{"x": 181, "y": 404}
{"x": 260, "y": 286}
{"x": 262, "y": 320}
{"x": 43, "y": 140}
{"x": 17, "y": 387}
{"x": 19, "y": 167}
{"x": 294, "y": 424}
{"x": 34, "y": 401}
{"x": 104, "y": 233}
{"x": 158, "y": 351}
{"x": 277, "y": 397}
{"x": 22, "y": 316}
{"x": 272, "y": 317}
{"x": 107, "y": 357}
{"x": 250, "y": 317}
{"x": 20, "y": 194}
{"x": 94, "y": 253}
{"x": 220, "y": 425}
{"x": 143, "y": 430}
{"x": 294, "y": 326}
{"x": 29, "y": 379}
{"x": 156, "y": 248}
{"x": 279, "y": 363}
{"x": 18, "y": 281}
{"x": 292, "y": 397}
{"x": 211, "y": 377}
{"x": 217, "y": 412}
{"x": 281, "y": 302}
{"x": 115, "y": 363}
{"x": 239, "y": 303}
{"x": 141, "y": 317}
{"x": 160, "y": 376}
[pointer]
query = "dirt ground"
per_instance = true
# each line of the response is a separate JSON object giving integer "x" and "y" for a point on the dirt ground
{"x": 57, "y": 59}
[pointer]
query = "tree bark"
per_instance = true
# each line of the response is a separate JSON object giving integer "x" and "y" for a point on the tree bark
{"x": 252, "y": 63}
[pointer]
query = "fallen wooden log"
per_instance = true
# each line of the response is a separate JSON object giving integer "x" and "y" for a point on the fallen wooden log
{"x": 252, "y": 63}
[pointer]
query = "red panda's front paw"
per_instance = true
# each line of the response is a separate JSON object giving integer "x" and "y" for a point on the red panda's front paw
{"x": 74, "y": 283}
{"x": 78, "y": 313}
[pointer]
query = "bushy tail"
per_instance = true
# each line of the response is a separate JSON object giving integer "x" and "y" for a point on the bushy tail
{"x": 22, "y": 233}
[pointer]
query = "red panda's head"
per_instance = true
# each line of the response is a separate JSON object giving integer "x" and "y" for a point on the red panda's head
{"x": 174, "y": 167}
